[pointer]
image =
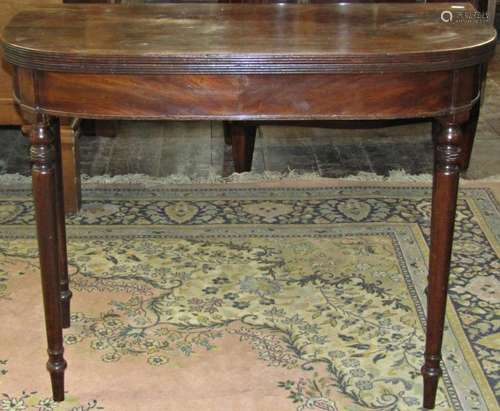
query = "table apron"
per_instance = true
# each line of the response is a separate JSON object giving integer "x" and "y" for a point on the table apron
{"x": 237, "y": 97}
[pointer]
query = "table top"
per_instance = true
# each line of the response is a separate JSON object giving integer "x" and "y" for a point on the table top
{"x": 246, "y": 38}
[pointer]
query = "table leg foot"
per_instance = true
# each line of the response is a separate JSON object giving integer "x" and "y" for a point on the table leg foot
{"x": 56, "y": 367}
{"x": 44, "y": 176}
{"x": 431, "y": 379}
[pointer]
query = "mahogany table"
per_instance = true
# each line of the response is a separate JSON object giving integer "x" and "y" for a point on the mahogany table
{"x": 287, "y": 62}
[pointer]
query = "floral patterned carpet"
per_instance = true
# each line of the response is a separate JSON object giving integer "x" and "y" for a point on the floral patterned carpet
{"x": 253, "y": 298}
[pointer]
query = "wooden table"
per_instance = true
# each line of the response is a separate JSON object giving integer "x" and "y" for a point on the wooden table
{"x": 288, "y": 62}
{"x": 70, "y": 130}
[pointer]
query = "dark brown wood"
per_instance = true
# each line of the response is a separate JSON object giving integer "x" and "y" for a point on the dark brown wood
{"x": 211, "y": 96}
{"x": 275, "y": 39}
{"x": 448, "y": 159}
{"x": 44, "y": 174}
{"x": 9, "y": 114}
{"x": 69, "y": 133}
{"x": 470, "y": 126}
{"x": 173, "y": 72}
{"x": 241, "y": 157}
{"x": 469, "y": 131}
{"x": 61, "y": 228}
{"x": 70, "y": 136}
{"x": 243, "y": 141}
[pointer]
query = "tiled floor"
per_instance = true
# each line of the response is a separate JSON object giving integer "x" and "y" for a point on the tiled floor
{"x": 193, "y": 148}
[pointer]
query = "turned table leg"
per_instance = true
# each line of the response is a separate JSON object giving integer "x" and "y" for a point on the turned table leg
{"x": 44, "y": 176}
{"x": 449, "y": 157}
{"x": 61, "y": 228}
{"x": 69, "y": 132}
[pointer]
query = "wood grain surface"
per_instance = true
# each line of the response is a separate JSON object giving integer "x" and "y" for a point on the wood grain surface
{"x": 245, "y": 38}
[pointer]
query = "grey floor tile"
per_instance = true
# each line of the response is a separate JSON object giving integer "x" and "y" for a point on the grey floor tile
{"x": 293, "y": 156}
{"x": 186, "y": 148}
{"x": 414, "y": 158}
{"x": 340, "y": 160}
{"x": 484, "y": 160}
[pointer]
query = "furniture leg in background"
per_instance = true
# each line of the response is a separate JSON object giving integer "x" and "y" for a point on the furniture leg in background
{"x": 70, "y": 157}
{"x": 469, "y": 133}
{"x": 65, "y": 292}
{"x": 242, "y": 139}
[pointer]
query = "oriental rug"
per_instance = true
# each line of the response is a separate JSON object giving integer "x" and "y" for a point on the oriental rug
{"x": 260, "y": 297}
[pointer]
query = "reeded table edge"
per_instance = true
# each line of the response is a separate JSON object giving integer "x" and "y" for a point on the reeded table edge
{"x": 244, "y": 62}
{"x": 248, "y": 64}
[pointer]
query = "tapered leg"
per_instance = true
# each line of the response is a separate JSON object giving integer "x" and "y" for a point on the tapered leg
{"x": 61, "y": 230}
{"x": 469, "y": 130}
{"x": 70, "y": 135}
{"x": 45, "y": 199}
{"x": 243, "y": 141}
{"x": 448, "y": 157}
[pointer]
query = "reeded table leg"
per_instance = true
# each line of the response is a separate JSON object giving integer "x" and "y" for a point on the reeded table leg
{"x": 448, "y": 159}
{"x": 44, "y": 193}
{"x": 61, "y": 229}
